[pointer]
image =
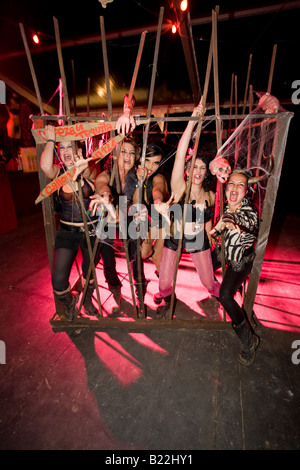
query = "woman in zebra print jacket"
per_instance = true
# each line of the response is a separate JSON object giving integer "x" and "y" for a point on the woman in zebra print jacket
{"x": 240, "y": 226}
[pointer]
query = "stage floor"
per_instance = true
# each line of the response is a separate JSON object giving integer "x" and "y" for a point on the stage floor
{"x": 151, "y": 386}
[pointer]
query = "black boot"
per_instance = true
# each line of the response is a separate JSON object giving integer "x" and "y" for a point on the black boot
{"x": 116, "y": 292}
{"x": 164, "y": 310}
{"x": 88, "y": 306}
{"x": 69, "y": 301}
{"x": 249, "y": 343}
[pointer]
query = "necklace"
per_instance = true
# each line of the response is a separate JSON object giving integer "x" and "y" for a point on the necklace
{"x": 237, "y": 209}
{"x": 200, "y": 196}
{"x": 197, "y": 226}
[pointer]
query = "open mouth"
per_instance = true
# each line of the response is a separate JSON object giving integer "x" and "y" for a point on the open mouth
{"x": 68, "y": 160}
{"x": 233, "y": 196}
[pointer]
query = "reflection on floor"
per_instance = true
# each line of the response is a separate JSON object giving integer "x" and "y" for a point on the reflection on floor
{"x": 164, "y": 389}
{"x": 277, "y": 302}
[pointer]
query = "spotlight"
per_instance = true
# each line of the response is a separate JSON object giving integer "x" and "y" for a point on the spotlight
{"x": 183, "y": 5}
{"x": 35, "y": 39}
{"x": 174, "y": 28}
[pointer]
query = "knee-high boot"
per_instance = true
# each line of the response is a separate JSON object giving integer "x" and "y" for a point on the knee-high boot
{"x": 249, "y": 342}
{"x": 69, "y": 301}
{"x": 88, "y": 305}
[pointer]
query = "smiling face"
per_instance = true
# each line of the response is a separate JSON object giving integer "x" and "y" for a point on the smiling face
{"x": 152, "y": 164}
{"x": 126, "y": 157}
{"x": 236, "y": 190}
{"x": 199, "y": 172}
{"x": 66, "y": 153}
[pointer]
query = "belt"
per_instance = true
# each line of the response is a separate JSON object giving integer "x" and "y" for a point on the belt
{"x": 76, "y": 229}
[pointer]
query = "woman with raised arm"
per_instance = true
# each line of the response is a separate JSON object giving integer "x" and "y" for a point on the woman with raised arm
{"x": 71, "y": 233}
{"x": 196, "y": 237}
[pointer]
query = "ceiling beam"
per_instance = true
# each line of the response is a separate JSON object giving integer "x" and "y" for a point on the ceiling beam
{"x": 264, "y": 10}
{"x": 29, "y": 95}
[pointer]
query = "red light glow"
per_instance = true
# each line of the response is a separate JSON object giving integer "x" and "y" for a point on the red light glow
{"x": 183, "y": 5}
{"x": 35, "y": 39}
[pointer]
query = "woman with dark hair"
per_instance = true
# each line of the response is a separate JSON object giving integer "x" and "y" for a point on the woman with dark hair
{"x": 239, "y": 223}
{"x": 108, "y": 196}
{"x": 155, "y": 194}
{"x": 71, "y": 233}
{"x": 198, "y": 223}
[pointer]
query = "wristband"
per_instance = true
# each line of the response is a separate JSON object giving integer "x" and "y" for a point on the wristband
{"x": 51, "y": 140}
{"x": 157, "y": 199}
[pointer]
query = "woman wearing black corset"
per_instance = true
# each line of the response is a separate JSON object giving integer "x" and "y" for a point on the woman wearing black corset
{"x": 71, "y": 233}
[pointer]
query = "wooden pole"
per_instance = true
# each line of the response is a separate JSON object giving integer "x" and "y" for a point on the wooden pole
{"x": 265, "y": 125}
{"x": 48, "y": 210}
{"x": 230, "y": 102}
{"x": 145, "y": 140}
{"x": 74, "y": 86}
{"x": 218, "y": 129}
{"x": 33, "y": 74}
{"x": 67, "y": 107}
{"x": 271, "y": 73}
{"x": 137, "y": 65}
{"x": 115, "y": 169}
{"x": 189, "y": 182}
{"x": 88, "y": 96}
{"x": 247, "y": 84}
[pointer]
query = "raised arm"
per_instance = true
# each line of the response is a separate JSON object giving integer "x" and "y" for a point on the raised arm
{"x": 102, "y": 194}
{"x": 177, "y": 179}
{"x": 126, "y": 122}
{"x": 47, "y": 158}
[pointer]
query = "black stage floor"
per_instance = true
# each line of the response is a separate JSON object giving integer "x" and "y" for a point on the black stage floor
{"x": 147, "y": 388}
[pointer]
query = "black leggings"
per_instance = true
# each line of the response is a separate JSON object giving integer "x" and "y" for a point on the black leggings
{"x": 231, "y": 283}
{"x": 65, "y": 252}
{"x": 107, "y": 253}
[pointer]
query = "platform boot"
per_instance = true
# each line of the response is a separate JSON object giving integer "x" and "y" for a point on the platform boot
{"x": 88, "y": 306}
{"x": 249, "y": 342}
{"x": 69, "y": 301}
